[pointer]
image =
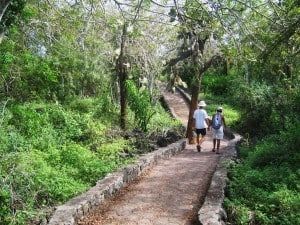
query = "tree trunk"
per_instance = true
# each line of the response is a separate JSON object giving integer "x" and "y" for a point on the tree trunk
{"x": 193, "y": 107}
{"x": 122, "y": 74}
{"x": 195, "y": 94}
{"x": 225, "y": 67}
{"x": 3, "y": 7}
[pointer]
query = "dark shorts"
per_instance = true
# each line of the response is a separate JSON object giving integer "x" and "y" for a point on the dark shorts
{"x": 201, "y": 131}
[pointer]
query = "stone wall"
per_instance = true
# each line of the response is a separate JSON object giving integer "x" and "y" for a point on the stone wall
{"x": 212, "y": 211}
{"x": 79, "y": 206}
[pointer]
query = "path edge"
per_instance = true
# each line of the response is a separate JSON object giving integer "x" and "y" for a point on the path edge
{"x": 105, "y": 188}
{"x": 212, "y": 211}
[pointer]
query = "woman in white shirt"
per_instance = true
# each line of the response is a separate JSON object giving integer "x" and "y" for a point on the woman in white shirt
{"x": 218, "y": 126}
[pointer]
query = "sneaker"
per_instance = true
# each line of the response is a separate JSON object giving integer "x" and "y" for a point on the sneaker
{"x": 199, "y": 148}
{"x": 213, "y": 150}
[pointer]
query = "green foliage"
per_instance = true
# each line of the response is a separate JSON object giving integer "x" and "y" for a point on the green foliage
{"x": 4, "y": 204}
{"x": 43, "y": 125}
{"x": 59, "y": 72}
{"x": 161, "y": 121}
{"x": 265, "y": 109}
{"x": 187, "y": 73}
{"x": 107, "y": 109}
{"x": 12, "y": 13}
{"x": 51, "y": 153}
{"x": 35, "y": 77}
{"x": 216, "y": 84}
{"x": 40, "y": 80}
{"x": 140, "y": 103}
{"x": 264, "y": 189}
{"x": 279, "y": 149}
{"x": 256, "y": 102}
{"x": 34, "y": 184}
{"x": 230, "y": 111}
{"x": 83, "y": 105}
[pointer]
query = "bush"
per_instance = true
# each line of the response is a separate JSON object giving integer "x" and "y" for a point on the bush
{"x": 264, "y": 189}
{"x": 161, "y": 121}
{"x": 50, "y": 153}
{"x": 139, "y": 102}
{"x": 218, "y": 85}
{"x": 47, "y": 156}
{"x": 266, "y": 109}
{"x": 5, "y": 201}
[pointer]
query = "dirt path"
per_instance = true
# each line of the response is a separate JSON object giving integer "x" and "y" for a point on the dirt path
{"x": 170, "y": 192}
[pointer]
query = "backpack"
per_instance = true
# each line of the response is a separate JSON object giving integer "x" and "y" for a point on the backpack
{"x": 216, "y": 121}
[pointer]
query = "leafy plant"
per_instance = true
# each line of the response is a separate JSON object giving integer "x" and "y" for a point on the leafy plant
{"x": 5, "y": 200}
{"x": 264, "y": 189}
{"x": 218, "y": 85}
{"x": 162, "y": 121}
{"x": 140, "y": 103}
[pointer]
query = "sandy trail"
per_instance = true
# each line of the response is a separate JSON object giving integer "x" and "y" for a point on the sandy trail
{"x": 170, "y": 192}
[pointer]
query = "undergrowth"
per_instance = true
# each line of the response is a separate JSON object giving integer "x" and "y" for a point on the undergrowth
{"x": 51, "y": 153}
{"x": 263, "y": 185}
{"x": 264, "y": 188}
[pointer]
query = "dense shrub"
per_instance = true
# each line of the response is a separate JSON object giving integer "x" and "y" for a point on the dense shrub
{"x": 266, "y": 109}
{"x": 161, "y": 121}
{"x": 264, "y": 189}
{"x": 139, "y": 102}
{"x": 218, "y": 85}
{"x": 50, "y": 153}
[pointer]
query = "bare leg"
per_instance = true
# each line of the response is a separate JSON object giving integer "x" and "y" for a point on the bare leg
{"x": 218, "y": 146}
{"x": 214, "y": 145}
{"x": 199, "y": 141}
{"x": 202, "y": 139}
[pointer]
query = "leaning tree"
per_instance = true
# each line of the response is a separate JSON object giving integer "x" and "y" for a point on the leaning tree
{"x": 198, "y": 34}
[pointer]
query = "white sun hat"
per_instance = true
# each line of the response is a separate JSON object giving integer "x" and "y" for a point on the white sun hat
{"x": 202, "y": 103}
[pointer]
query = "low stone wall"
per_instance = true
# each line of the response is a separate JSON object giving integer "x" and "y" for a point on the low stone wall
{"x": 212, "y": 211}
{"x": 184, "y": 94}
{"x": 79, "y": 206}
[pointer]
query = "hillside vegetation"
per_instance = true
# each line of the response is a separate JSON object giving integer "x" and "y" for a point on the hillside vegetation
{"x": 51, "y": 153}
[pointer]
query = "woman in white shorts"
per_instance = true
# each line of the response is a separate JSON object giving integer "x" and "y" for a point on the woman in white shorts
{"x": 218, "y": 126}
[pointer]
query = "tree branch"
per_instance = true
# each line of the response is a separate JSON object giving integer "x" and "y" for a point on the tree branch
{"x": 209, "y": 63}
{"x": 282, "y": 37}
{"x": 3, "y": 112}
{"x": 174, "y": 61}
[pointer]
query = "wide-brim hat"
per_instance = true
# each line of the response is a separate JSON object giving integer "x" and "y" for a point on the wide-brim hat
{"x": 202, "y": 103}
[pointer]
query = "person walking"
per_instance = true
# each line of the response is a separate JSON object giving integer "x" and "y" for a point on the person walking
{"x": 201, "y": 121}
{"x": 218, "y": 125}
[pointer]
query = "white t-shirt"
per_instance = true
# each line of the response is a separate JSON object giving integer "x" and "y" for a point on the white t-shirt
{"x": 200, "y": 115}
